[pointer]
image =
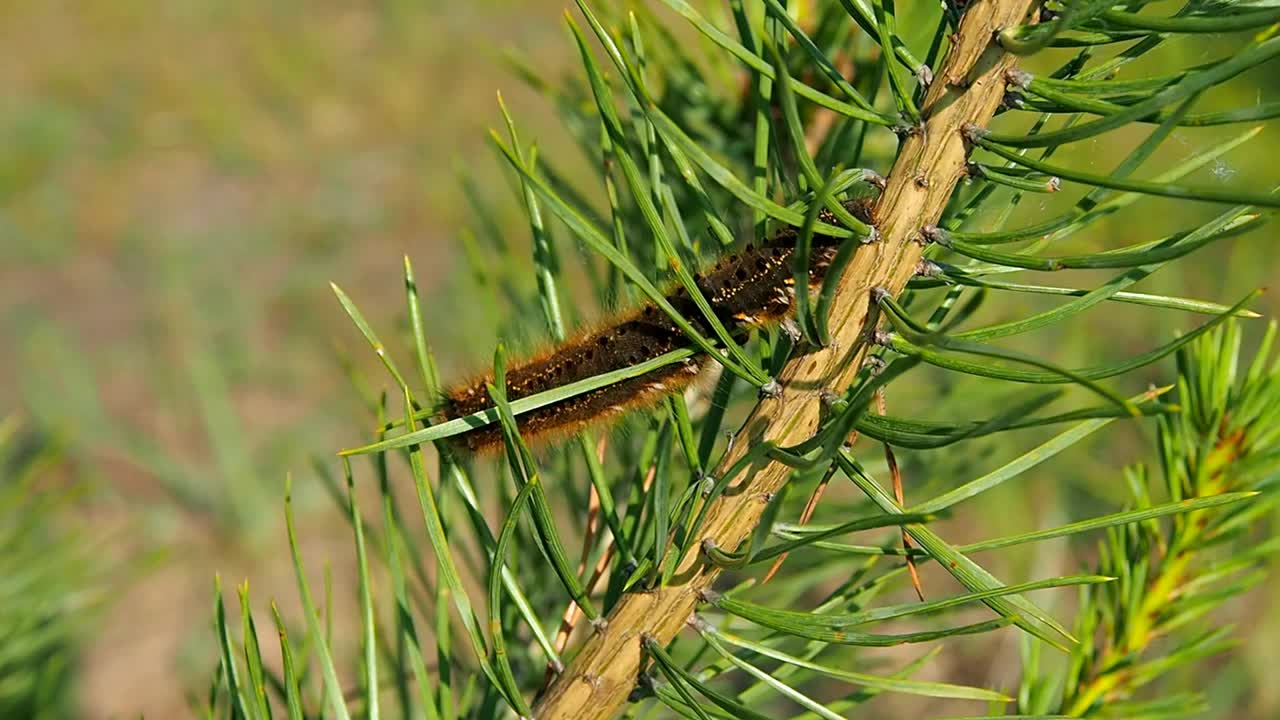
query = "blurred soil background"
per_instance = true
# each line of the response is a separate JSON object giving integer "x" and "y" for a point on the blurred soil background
{"x": 180, "y": 181}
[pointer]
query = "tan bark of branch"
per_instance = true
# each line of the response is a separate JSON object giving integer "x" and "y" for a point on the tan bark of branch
{"x": 968, "y": 90}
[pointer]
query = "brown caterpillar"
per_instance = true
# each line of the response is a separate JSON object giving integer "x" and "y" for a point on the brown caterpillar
{"x": 746, "y": 288}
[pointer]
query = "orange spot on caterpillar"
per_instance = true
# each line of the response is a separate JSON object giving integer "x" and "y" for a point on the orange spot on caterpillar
{"x": 745, "y": 288}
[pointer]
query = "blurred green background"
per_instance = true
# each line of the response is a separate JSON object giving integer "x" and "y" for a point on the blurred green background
{"x": 178, "y": 183}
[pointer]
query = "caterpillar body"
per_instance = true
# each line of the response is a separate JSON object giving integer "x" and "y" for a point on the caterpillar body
{"x": 747, "y": 288}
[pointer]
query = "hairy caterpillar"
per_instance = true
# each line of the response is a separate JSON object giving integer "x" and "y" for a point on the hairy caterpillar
{"x": 746, "y": 288}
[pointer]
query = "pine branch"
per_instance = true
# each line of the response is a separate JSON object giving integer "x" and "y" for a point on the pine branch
{"x": 966, "y": 92}
{"x": 676, "y": 154}
{"x": 1222, "y": 442}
